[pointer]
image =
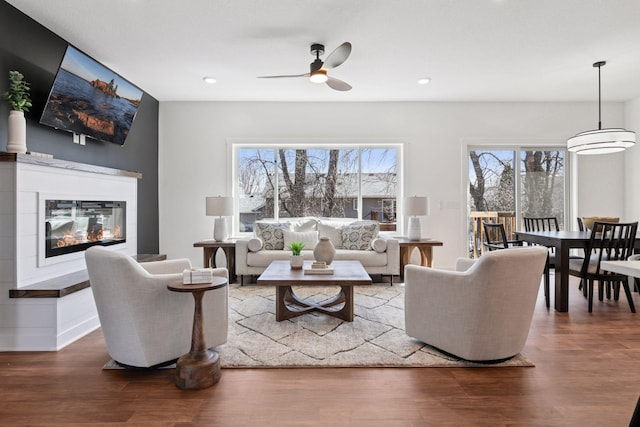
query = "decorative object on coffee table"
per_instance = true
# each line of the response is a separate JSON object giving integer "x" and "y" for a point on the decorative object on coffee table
{"x": 296, "y": 259}
{"x": 221, "y": 207}
{"x": 324, "y": 251}
{"x": 200, "y": 368}
{"x": 19, "y": 101}
{"x": 414, "y": 207}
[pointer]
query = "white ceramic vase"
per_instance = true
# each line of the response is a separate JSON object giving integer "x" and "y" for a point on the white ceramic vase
{"x": 324, "y": 251}
{"x": 16, "y": 132}
{"x": 297, "y": 261}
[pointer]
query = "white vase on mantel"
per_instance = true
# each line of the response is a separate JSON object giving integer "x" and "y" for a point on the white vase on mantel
{"x": 16, "y": 132}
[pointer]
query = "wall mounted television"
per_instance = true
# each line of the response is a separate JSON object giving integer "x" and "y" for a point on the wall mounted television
{"x": 89, "y": 99}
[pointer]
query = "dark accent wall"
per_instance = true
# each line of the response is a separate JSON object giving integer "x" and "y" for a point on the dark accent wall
{"x": 36, "y": 52}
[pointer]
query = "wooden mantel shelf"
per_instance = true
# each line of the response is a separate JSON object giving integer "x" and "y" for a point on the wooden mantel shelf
{"x": 69, "y": 283}
{"x": 65, "y": 164}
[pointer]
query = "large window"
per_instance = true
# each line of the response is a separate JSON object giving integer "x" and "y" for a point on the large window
{"x": 507, "y": 184}
{"x": 356, "y": 181}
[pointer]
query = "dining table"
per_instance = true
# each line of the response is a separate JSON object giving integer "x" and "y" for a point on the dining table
{"x": 563, "y": 242}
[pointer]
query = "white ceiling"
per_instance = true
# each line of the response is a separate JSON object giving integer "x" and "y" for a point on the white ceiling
{"x": 474, "y": 50}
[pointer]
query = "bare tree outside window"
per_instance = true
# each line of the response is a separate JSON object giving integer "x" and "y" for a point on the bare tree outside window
{"x": 542, "y": 190}
{"x": 323, "y": 182}
{"x": 491, "y": 180}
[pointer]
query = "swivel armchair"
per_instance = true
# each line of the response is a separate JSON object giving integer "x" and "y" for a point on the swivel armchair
{"x": 145, "y": 324}
{"x": 482, "y": 312}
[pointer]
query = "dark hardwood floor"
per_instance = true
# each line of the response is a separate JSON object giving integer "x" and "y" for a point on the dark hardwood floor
{"x": 587, "y": 374}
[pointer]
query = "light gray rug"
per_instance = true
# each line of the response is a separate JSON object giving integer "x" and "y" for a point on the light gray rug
{"x": 375, "y": 338}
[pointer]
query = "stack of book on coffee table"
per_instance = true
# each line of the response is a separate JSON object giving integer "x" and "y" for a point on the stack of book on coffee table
{"x": 318, "y": 268}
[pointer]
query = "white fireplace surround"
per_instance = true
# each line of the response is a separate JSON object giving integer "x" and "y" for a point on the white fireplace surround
{"x": 43, "y": 324}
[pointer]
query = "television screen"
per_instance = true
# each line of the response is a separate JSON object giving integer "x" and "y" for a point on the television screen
{"x": 88, "y": 98}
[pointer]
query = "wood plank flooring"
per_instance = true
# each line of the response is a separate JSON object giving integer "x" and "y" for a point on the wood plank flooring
{"x": 587, "y": 374}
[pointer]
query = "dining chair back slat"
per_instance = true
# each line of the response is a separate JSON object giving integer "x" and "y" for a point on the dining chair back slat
{"x": 541, "y": 224}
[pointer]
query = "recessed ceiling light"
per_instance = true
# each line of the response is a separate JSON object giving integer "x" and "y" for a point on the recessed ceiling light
{"x": 424, "y": 80}
{"x": 209, "y": 80}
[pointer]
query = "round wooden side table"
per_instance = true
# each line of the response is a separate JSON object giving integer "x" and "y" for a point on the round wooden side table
{"x": 200, "y": 368}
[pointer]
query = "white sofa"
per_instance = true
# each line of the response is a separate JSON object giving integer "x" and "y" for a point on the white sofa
{"x": 253, "y": 255}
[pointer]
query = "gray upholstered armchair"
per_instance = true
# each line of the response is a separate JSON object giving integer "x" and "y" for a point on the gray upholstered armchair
{"x": 482, "y": 311}
{"x": 145, "y": 324}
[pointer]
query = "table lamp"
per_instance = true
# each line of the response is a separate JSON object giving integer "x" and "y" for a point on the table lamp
{"x": 414, "y": 207}
{"x": 221, "y": 207}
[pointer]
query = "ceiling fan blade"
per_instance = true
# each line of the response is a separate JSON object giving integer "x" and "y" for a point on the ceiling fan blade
{"x": 284, "y": 76}
{"x": 337, "y": 84}
{"x": 338, "y": 56}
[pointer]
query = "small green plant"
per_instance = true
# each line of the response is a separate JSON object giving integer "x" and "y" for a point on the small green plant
{"x": 18, "y": 94}
{"x": 296, "y": 247}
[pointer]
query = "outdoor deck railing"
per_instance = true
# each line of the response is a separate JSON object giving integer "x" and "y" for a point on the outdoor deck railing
{"x": 508, "y": 220}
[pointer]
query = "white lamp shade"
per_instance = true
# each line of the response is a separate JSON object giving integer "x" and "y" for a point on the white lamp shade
{"x": 219, "y": 206}
{"x": 601, "y": 141}
{"x": 416, "y": 206}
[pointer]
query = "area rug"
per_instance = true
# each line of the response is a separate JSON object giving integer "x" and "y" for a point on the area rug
{"x": 375, "y": 338}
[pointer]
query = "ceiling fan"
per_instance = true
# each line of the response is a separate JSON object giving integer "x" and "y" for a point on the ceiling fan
{"x": 318, "y": 68}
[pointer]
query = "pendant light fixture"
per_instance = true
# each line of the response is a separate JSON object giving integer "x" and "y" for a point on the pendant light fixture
{"x": 601, "y": 141}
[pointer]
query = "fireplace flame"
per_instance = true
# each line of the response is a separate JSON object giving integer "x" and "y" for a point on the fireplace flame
{"x": 69, "y": 238}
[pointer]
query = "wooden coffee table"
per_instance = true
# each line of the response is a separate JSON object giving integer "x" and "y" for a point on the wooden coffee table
{"x": 347, "y": 274}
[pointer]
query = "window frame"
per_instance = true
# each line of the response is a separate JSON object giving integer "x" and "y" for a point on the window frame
{"x": 301, "y": 143}
{"x": 518, "y": 147}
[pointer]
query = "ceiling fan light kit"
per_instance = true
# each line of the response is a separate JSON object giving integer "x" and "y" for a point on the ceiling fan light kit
{"x": 318, "y": 68}
{"x": 319, "y": 76}
{"x": 601, "y": 141}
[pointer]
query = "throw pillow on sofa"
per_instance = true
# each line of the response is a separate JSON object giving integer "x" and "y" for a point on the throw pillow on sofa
{"x": 271, "y": 234}
{"x": 358, "y": 236}
{"x": 254, "y": 244}
{"x": 309, "y": 238}
{"x": 332, "y": 230}
{"x": 379, "y": 245}
{"x": 303, "y": 224}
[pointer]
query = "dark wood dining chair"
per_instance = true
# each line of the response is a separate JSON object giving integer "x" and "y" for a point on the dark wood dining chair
{"x": 495, "y": 237}
{"x": 541, "y": 223}
{"x": 611, "y": 242}
{"x": 544, "y": 224}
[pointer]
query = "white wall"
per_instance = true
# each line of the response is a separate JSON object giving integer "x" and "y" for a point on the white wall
{"x": 632, "y": 163}
{"x": 195, "y": 155}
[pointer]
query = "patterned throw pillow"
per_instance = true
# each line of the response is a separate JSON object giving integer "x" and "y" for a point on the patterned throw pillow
{"x": 271, "y": 234}
{"x": 359, "y": 235}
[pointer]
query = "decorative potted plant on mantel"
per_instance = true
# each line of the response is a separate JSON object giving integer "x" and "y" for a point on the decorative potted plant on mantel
{"x": 19, "y": 101}
{"x": 296, "y": 259}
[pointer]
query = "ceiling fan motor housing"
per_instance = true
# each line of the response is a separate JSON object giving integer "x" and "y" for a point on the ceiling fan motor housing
{"x": 317, "y": 49}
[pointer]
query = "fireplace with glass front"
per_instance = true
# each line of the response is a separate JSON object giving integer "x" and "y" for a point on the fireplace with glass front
{"x": 75, "y": 225}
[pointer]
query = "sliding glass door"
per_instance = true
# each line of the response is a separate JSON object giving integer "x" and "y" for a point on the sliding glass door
{"x": 507, "y": 183}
